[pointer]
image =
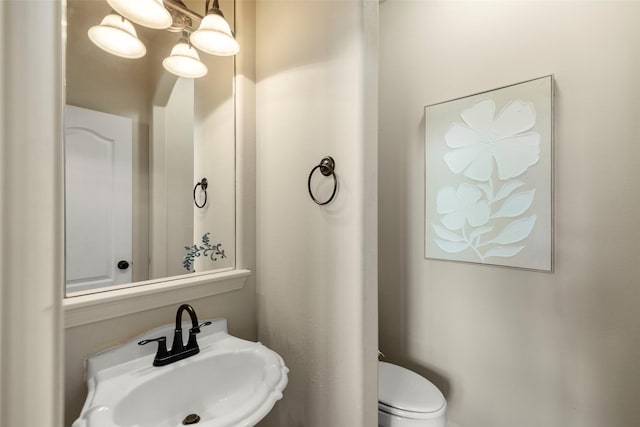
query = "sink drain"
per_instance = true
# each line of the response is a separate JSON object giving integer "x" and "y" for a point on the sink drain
{"x": 191, "y": 419}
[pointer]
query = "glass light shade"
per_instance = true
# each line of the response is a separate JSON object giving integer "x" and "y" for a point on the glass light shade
{"x": 214, "y": 36}
{"x": 117, "y": 36}
{"x": 184, "y": 62}
{"x": 149, "y": 13}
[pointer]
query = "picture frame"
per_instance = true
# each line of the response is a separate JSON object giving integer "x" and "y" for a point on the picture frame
{"x": 489, "y": 176}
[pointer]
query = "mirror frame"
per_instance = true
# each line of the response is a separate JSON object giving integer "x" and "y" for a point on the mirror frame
{"x": 116, "y": 301}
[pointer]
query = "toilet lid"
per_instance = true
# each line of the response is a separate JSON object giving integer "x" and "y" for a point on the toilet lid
{"x": 403, "y": 389}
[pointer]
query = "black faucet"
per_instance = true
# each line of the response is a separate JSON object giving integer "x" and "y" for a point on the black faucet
{"x": 178, "y": 350}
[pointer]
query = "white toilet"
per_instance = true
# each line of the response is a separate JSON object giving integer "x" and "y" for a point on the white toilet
{"x": 406, "y": 399}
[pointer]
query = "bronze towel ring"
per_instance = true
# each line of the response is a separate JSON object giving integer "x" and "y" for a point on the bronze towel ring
{"x": 327, "y": 167}
{"x": 203, "y": 184}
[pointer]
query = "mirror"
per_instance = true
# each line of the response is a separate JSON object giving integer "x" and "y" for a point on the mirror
{"x": 138, "y": 143}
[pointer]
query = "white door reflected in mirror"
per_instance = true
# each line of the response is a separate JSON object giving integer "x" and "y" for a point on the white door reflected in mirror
{"x": 98, "y": 199}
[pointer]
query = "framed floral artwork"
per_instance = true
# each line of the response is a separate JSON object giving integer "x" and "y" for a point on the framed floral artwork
{"x": 489, "y": 177}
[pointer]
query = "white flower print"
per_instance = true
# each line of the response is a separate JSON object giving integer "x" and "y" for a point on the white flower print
{"x": 508, "y": 139}
{"x": 462, "y": 205}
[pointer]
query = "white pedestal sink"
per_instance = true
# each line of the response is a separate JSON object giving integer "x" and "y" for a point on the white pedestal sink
{"x": 231, "y": 382}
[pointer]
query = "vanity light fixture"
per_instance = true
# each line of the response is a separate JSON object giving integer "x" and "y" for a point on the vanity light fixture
{"x": 214, "y": 34}
{"x": 184, "y": 60}
{"x": 117, "y": 36}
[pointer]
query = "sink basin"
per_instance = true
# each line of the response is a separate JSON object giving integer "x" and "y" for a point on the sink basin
{"x": 231, "y": 382}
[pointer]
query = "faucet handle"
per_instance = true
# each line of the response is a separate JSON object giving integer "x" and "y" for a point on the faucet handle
{"x": 162, "y": 346}
{"x": 147, "y": 341}
{"x": 196, "y": 330}
{"x": 192, "y": 343}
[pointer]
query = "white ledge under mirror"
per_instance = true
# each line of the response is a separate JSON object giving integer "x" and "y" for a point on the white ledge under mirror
{"x": 84, "y": 309}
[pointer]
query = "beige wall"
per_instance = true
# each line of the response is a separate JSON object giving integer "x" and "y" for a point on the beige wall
{"x": 317, "y": 266}
{"x": 511, "y": 347}
{"x": 178, "y": 174}
{"x": 31, "y": 158}
{"x": 214, "y": 151}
